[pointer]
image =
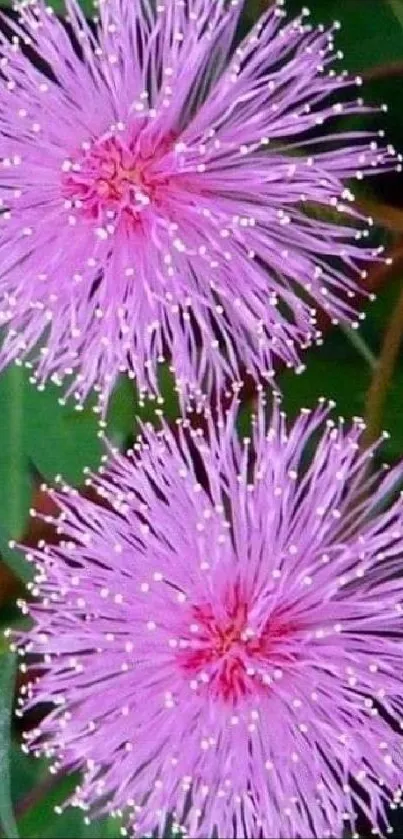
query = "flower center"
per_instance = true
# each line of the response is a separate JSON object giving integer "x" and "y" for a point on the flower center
{"x": 115, "y": 178}
{"x": 227, "y": 656}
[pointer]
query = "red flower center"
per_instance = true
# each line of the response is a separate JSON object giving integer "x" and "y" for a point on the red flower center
{"x": 230, "y": 658}
{"x": 114, "y": 178}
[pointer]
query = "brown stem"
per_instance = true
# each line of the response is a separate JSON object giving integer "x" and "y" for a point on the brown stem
{"x": 35, "y": 795}
{"x": 384, "y": 214}
{"x": 389, "y": 70}
{"x": 383, "y": 375}
{"x": 384, "y": 273}
{"x": 263, "y": 5}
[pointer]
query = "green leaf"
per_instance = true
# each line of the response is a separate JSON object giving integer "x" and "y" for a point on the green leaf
{"x": 368, "y": 37}
{"x": 13, "y": 557}
{"x": 60, "y": 7}
{"x": 38, "y": 433}
{"x": 41, "y": 436}
{"x": 36, "y": 794}
{"x": 44, "y": 820}
{"x": 15, "y": 486}
{"x": 7, "y": 679}
{"x": 345, "y": 380}
{"x": 337, "y": 372}
{"x": 356, "y": 340}
{"x": 397, "y": 7}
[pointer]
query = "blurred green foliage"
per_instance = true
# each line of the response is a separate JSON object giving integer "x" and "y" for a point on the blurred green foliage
{"x": 41, "y": 821}
{"x": 41, "y": 438}
{"x": 338, "y": 371}
{"x": 7, "y": 675}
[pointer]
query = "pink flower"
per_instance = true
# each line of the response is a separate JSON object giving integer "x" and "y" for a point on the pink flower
{"x": 220, "y": 642}
{"x": 161, "y": 192}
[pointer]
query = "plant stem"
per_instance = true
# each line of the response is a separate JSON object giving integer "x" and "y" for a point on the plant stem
{"x": 388, "y": 70}
{"x": 360, "y": 345}
{"x": 383, "y": 375}
{"x": 37, "y": 794}
{"x": 7, "y": 686}
{"x": 15, "y": 455}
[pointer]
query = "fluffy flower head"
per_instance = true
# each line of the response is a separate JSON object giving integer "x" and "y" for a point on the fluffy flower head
{"x": 221, "y": 638}
{"x": 162, "y": 192}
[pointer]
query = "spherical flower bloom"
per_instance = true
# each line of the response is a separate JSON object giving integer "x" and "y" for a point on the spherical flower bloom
{"x": 165, "y": 196}
{"x": 221, "y": 637}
